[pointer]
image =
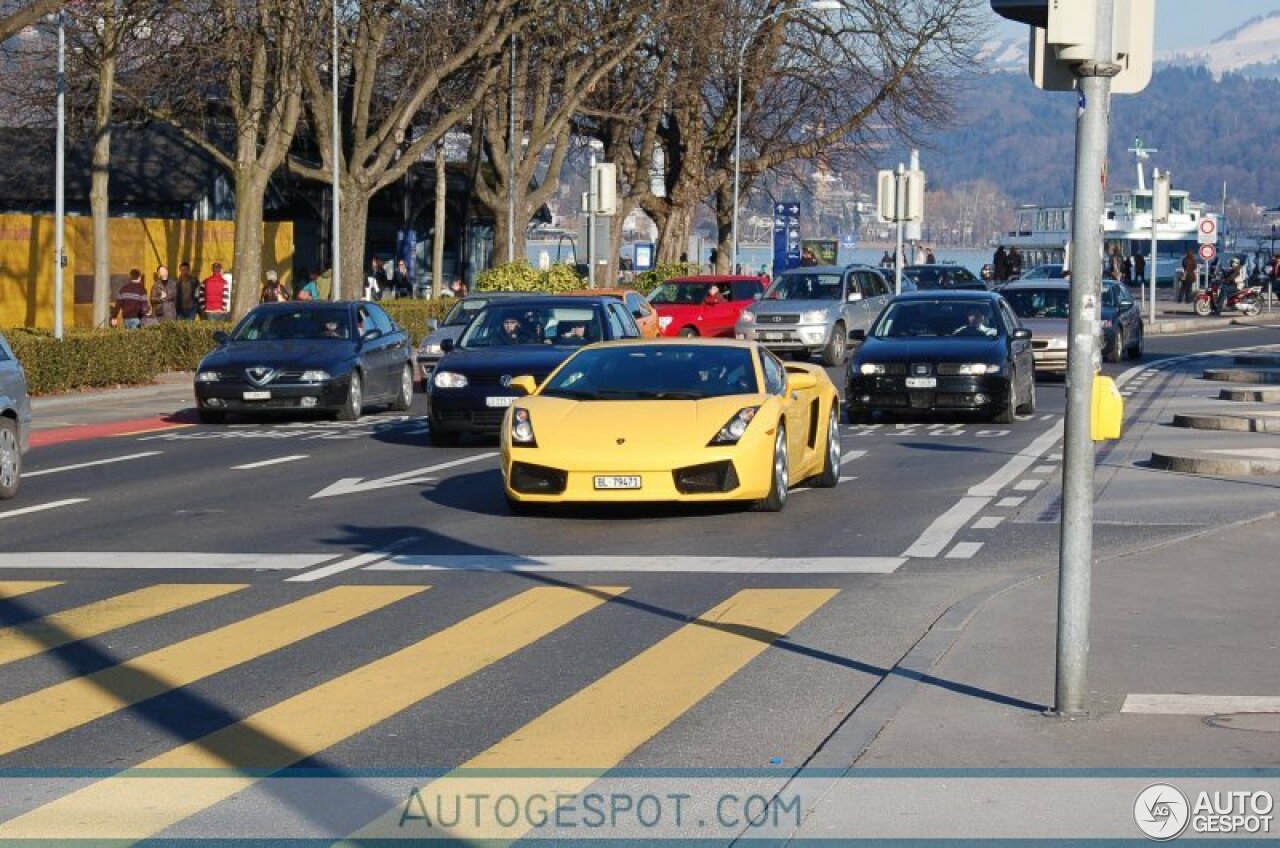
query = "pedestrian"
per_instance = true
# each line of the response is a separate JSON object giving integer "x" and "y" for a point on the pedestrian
{"x": 212, "y": 295}
{"x": 187, "y": 285}
{"x": 272, "y": 290}
{"x": 1139, "y": 268}
{"x": 1000, "y": 264}
{"x": 458, "y": 288}
{"x": 1190, "y": 270}
{"x": 401, "y": 282}
{"x": 1117, "y": 264}
{"x": 132, "y": 304}
{"x": 310, "y": 290}
{"x": 1015, "y": 263}
{"x": 886, "y": 261}
{"x": 929, "y": 258}
{"x": 164, "y": 296}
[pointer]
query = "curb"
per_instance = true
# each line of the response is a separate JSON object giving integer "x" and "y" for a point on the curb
{"x": 1256, "y": 359}
{"x": 158, "y": 389}
{"x": 1196, "y": 462}
{"x": 1268, "y": 395}
{"x": 1174, "y": 326}
{"x": 1236, "y": 423}
{"x": 1243, "y": 375}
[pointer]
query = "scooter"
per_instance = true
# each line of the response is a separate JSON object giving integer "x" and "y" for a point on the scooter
{"x": 1245, "y": 300}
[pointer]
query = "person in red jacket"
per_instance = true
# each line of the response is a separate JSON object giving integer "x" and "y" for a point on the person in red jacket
{"x": 213, "y": 296}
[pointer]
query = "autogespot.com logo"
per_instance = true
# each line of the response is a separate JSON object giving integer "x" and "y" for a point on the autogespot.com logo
{"x": 1161, "y": 811}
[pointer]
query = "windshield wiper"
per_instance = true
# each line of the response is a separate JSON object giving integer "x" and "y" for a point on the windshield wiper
{"x": 571, "y": 394}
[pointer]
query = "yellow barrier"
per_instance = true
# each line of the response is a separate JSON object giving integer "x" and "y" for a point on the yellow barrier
{"x": 1107, "y": 409}
{"x": 26, "y": 260}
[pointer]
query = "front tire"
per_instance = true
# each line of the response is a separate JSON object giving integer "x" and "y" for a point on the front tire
{"x": 780, "y": 474}
{"x": 354, "y": 405}
{"x": 10, "y": 459}
{"x": 688, "y": 333}
{"x": 1010, "y": 411}
{"x": 404, "y": 397}
{"x": 834, "y": 352}
{"x": 1029, "y": 404}
{"x": 829, "y": 477}
{"x": 1203, "y": 307}
{"x": 1139, "y": 344}
{"x": 1117, "y": 347}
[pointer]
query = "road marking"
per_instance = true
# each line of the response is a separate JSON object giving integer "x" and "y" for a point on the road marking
{"x": 307, "y": 723}
{"x": 599, "y": 726}
{"x": 264, "y": 463}
{"x": 28, "y": 510}
{"x": 939, "y": 534}
{"x": 350, "y": 563}
{"x": 64, "y": 706}
{"x": 988, "y": 522}
{"x": 850, "y": 456}
{"x": 153, "y": 430}
{"x": 847, "y": 479}
{"x": 964, "y": 550}
{"x": 18, "y": 588}
{"x": 357, "y": 485}
{"x": 160, "y": 561}
{"x": 1044, "y": 469}
{"x": 80, "y": 465}
{"x": 1018, "y": 463}
{"x": 63, "y": 628}
{"x": 1010, "y": 502}
{"x": 1200, "y": 705}
{"x": 651, "y": 564}
{"x": 1029, "y": 485}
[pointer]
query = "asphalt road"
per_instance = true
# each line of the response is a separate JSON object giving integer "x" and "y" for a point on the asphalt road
{"x": 346, "y": 596}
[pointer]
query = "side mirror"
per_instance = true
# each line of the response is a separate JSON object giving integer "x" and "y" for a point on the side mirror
{"x": 858, "y": 335}
{"x": 446, "y": 345}
{"x": 800, "y": 381}
{"x": 433, "y": 324}
{"x": 854, "y": 297}
{"x": 220, "y": 337}
{"x": 1021, "y": 334}
{"x": 525, "y": 383}
{"x": 371, "y": 334}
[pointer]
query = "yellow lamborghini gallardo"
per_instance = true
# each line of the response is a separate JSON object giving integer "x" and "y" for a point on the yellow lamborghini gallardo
{"x": 671, "y": 420}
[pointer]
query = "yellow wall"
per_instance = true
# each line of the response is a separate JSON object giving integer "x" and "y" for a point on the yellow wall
{"x": 26, "y": 260}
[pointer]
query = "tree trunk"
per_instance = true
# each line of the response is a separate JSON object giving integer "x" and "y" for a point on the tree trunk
{"x": 500, "y": 237}
{"x": 437, "y": 243}
{"x": 99, "y": 192}
{"x": 724, "y": 233}
{"x": 674, "y": 230}
{"x": 354, "y": 209}
{"x": 250, "y": 191}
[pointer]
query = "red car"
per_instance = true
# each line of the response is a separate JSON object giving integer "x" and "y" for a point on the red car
{"x": 684, "y": 308}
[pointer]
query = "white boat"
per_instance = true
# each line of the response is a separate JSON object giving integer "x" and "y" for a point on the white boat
{"x": 1042, "y": 234}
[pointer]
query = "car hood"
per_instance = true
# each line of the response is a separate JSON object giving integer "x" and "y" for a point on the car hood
{"x": 631, "y": 428}
{"x": 952, "y": 349}
{"x": 514, "y": 360}
{"x": 772, "y": 307}
{"x": 292, "y": 353}
{"x": 435, "y": 337}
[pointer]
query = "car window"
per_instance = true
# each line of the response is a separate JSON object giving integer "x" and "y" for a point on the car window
{"x": 1039, "y": 303}
{"x": 936, "y": 319}
{"x": 617, "y": 330}
{"x": 630, "y": 329}
{"x": 1010, "y": 320}
{"x": 775, "y": 375}
{"x": 654, "y": 372}
{"x": 501, "y": 324}
{"x": 880, "y": 284}
{"x": 331, "y": 322}
{"x": 4, "y": 350}
{"x": 636, "y": 303}
{"x": 463, "y": 311}
{"x": 745, "y": 290}
{"x": 381, "y": 320}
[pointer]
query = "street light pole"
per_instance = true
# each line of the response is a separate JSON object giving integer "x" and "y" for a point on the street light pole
{"x": 511, "y": 144}
{"x": 336, "y": 235}
{"x": 60, "y": 180}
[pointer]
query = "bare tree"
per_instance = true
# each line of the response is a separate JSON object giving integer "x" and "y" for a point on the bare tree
{"x": 13, "y": 21}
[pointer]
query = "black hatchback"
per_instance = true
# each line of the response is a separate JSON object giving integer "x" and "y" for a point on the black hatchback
{"x": 313, "y": 355}
{"x": 954, "y": 351}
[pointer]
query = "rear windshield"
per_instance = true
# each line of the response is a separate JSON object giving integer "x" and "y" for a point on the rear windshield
{"x": 805, "y": 286}
{"x": 666, "y": 372}
{"x": 1039, "y": 303}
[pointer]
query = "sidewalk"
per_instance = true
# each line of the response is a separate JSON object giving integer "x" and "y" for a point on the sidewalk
{"x": 170, "y": 394}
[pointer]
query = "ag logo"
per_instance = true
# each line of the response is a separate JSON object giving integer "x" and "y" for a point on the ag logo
{"x": 260, "y": 375}
{"x": 1161, "y": 811}
{"x": 505, "y": 381}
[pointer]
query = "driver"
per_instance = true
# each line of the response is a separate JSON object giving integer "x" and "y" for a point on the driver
{"x": 975, "y": 324}
{"x": 512, "y": 331}
{"x": 1231, "y": 281}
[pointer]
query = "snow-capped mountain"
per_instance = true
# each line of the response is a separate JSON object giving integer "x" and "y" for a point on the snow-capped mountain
{"x": 1253, "y": 48}
{"x": 1002, "y": 54}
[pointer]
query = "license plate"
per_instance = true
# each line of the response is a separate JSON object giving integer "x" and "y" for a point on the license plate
{"x": 618, "y": 482}
{"x": 499, "y": 401}
{"x": 772, "y": 337}
{"x": 922, "y": 382}
{"x": 257, "y": 396}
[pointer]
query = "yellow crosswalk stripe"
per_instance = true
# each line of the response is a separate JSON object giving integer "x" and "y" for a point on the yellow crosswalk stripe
{"x": 599, "y": 726}
{"x": 17, "y": 588}
{"x": 138, "y": 807}
{"x": 59, "y": 708}
{"x": 53, "y": 631}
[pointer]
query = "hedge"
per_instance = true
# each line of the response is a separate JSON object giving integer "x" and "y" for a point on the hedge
{"x": 647, "y": 281}
{"x": 521, "y": 276}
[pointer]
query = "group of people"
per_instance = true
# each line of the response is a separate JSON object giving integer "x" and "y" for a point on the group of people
{"x": 924, "y": 256}
{"x": 1006, "y": 264}
{"x": 181, "y": 298}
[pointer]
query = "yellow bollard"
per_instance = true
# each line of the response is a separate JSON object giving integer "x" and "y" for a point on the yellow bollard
{"x": 1107, "y": 413}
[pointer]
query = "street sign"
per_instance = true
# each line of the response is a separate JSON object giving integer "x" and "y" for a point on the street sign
{"x": 1208, "y": 231}
{"x": 1208, "y": 252}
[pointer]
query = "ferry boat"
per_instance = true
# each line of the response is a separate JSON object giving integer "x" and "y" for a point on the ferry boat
{"x": 1043, "y": 233}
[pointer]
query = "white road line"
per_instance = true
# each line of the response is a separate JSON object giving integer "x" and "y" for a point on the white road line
{"x": 1054, "y": 457}
{"x": 944, "y": 528}
{"x": 1018, "y": 464}
{"x": 1010, "y": 502}
{"x": 1200, "y": 705}
{"x": 1044, "y": 469}
{"x": 964, "y": 550}
{"x": 95, "y": 462}
{"x": 1028, "y": 485}
{"x": 847, "y": 479}
{"x": 640, "y": 563}
{"x": 358, "y": 561}
{"x": 850, "y": 456}
{"x": 264, "y": 463}
{"x": 988, "y": 522}
{"x": 27, "y": 510}
{"x": 161, "y": 561}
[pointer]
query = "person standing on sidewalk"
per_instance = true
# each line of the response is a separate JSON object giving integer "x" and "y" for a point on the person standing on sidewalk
{"x": 272, "y": 290}
{"x": 186, "y": 298}
{"x": 1190, "y": 269}
{"x": 164, "y": 296}
{"x": 131, "y": 304}
{"x": 1139, "y": 269}
{"x": 213, "y": 298}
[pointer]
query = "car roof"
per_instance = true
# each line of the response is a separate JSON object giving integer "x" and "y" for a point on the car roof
{"x": 941, "y": 266}
{"x": 614, "y": 292}
{"x": 307, "y": 305}
{"x": 682, "y": 341}
{"x": 544, "y": 300}
{"x": 1039, "y": 283}
{"x": 948, "y": 294}
{"x": 822, "y": 269}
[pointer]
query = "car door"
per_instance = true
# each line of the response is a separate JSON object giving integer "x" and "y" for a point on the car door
{"x": 646, "y": 319}
{"x": 1020, "y": 350}
{"x": 882, "y": 293}
{"x": 852, "y": 309}
{"x": 377, "y": 345}
{"x": 794, "y": 411}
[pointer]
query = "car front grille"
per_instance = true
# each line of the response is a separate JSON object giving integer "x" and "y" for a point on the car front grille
{"x": 483, "y": 419}
{"x": 780, "y": 318}
{"x": 1040, "y": 344}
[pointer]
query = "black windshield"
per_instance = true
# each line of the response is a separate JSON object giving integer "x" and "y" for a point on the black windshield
{"x": 666, "y": 372}
{"x": 283, "y": 324}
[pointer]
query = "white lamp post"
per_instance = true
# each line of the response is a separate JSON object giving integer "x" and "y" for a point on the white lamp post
{"x": 335, "y": 272}
{"x": 59, "y": 202}
{"x": 811, "y": 6}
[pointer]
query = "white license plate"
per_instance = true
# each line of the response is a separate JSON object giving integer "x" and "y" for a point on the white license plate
{"x": 499, "y": 401}
{"x": 618, "y": 482}
{"x": 922, "y": 382}
{"x": 257, "y": 396}
{"x": 772, "y": 337}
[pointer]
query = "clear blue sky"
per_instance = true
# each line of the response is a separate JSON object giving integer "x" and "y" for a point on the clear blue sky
{"x": 1181, "y": 23}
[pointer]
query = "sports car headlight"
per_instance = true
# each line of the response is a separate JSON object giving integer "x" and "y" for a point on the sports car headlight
{"x": 315, "y": 376}
{"x": 870, "y": 368}
{"x": 522, "y": 428}
{"x": 971, "y": 369}
{"x": 449, "y": 380}
{"x": 208, "y": 377}
{"x": 747, "y": 317}
{"x": 813, "y": 316}
{"x": 1057, "y": 344}
{"x": 735, "y": 427}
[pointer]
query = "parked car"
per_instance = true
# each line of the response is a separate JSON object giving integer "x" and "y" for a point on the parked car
{"x": 683, "y": 309}
{"x": 15, "y": 420}
{"x": 942, "y": 276}
{"x": 812, "y": 310}
{"x": 1043, "y": 305}
{"x": 471, "y": 388}
{"x": 1123, "y": 333}
{"x": 429, "y": 351}
{"x": 1053, "y": 271}
{"x": 641, "y": 310}
{"x": 944, "y": 351}
{"x": 307, "y": 355}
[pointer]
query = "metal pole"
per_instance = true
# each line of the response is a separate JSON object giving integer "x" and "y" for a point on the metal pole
{"x": 511, "y": 185}
{"x": 336, "y": 235}
{"x": 591, "y": 223}
{"x": 899, "y": 203}
{"x": 737, "y": 167}
{"x": 1076, "y": 542}
{"x": 1155, "y": 255}
{"x": 60, "y": 173}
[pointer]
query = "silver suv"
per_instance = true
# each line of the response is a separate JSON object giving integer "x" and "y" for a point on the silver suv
{"x": 15, "y": 420}
{"x": 812, "y": 310}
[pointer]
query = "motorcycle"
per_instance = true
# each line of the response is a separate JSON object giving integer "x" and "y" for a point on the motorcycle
{"x": 1244, "y": 299}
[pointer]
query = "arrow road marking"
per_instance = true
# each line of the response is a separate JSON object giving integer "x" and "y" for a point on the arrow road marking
{"x": 27, "y": 510}
{"x": 357, "y": 485}
{"x": 80, "y": 465}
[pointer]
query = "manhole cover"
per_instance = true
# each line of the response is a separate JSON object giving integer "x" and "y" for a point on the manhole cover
{"x": 1261, "y": 722}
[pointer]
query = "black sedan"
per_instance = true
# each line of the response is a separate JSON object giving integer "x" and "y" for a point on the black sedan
{"x": 1123, "y": 333}
{"x": 470, "y": 388}
{"x": 942, "y": 276}
{"x": 944, "y": 351}
{"x": 312, "y": 355}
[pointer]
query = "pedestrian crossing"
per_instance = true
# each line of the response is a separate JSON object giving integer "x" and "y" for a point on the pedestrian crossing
{"x": 583, "y": 735}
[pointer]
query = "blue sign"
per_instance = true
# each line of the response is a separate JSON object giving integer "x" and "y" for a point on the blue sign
{"x": 644, "y": 256}
{"x": 786, "y": 236}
